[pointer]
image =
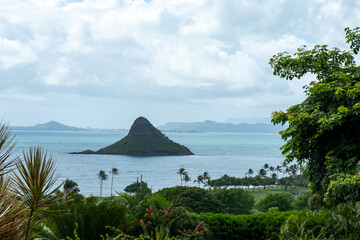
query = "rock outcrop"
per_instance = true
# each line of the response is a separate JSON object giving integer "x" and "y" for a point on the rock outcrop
{"x": 143, "y": 139}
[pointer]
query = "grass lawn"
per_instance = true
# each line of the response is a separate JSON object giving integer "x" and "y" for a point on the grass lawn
{"x": 260, "y": 193}
{"x": 99, "y": 199}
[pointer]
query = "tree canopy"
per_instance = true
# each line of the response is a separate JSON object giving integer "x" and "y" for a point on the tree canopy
{"x": 323, "y": 131}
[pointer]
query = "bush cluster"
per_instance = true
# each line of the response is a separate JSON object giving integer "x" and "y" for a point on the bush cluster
{"x": 254, "y": 226}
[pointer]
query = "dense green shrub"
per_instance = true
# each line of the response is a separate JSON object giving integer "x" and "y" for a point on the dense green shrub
{"x": 245, "y": 227}
{"x": 344, "y": 189}
{"x": 315, "y": 202}
{"x": 236, "y": 201}
{"x": 284, "y": 201}
{"x": 341, "y": 222}
{"x": 135, "y": 186}
{"x": 193, "y": 199}
{"x": 301, "y": 202}
{"x": 90, "y": 215}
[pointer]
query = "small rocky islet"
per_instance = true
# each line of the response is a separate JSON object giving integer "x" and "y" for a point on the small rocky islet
{"x": 143, "y": 139}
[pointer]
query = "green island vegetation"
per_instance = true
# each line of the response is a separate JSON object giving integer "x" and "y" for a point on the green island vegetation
{"x": 322, "y": 138}
{"x": 143, "y": 140}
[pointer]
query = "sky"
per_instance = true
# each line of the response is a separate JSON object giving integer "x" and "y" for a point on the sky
{"x": 103, "y": 63}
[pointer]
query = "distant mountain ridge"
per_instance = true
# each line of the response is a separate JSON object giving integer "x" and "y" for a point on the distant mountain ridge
{"x": 50, "y": 126}
{"x": 206, "y": 126}
{"x": 211, "y": 126}
{"x": 56, "y": 126}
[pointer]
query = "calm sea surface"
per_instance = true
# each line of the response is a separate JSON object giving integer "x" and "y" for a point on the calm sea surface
{"x": 216, "y": 153}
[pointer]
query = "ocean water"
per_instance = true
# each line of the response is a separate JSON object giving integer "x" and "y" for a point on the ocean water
{"x": 216, "y": 153}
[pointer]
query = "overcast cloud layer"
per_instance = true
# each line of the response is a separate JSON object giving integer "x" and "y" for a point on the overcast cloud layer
{"x": 102, "y": 63}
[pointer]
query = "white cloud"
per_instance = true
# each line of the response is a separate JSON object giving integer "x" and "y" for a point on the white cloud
{"x": 56, "y": 73}
{"x": 13, "y": 52}
{"x": 194, "y": 52}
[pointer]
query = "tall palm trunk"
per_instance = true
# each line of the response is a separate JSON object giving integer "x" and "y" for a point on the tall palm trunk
{"x": 112, "y": 180}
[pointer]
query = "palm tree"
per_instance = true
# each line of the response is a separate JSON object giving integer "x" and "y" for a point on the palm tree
{"x": 186, "y": 179}
{"x": 199, "y": 180}
{"x": 102, "y": 176}
{"x": 114, "y": 171}
{"x": 250, "y": 172}
{"x": 287, "y": 171}
{"x": 284, "y": 166}
{"x": 181, "y": 172}
{"x": 271, "y": 169}
{"x": 262, "y": 172}
{"x": 266, "y": 166}
{"x": 70, "y": 187}
{"x": 274, "y": 176}
{"x": 278, "y": 169}
{"x": 206, "y": 178}
{"x": 34, "y": 182}
{"x": 293, "y": 170}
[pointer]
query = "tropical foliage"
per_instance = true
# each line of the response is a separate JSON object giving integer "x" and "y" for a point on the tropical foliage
{"x": 235, "y": 201}
{"x": 135, "y": 186}
{"x": 90, "y": 216}
{"x": 34, "y": 183}
{"x": 247, "y": 227}
{"x": 283, "y": 201}
{"x": 102, "y": 176}
{"x": 322, "y": 133}
{"x": 342, "y": 222}
{"x": 192, "y": 198}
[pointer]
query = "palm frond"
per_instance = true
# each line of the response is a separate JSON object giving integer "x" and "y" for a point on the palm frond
{"x": 7, "y": 145}
{"x": 12, "y": 213}
{"x": 34, "y": 181}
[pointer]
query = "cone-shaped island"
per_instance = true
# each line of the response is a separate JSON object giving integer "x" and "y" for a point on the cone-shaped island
{"x": 143, "y": 139}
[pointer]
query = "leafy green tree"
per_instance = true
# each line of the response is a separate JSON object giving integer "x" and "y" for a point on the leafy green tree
{"x": 235, "y": 201}
{"x": 323, "y": 130}
{"x": 343, "y": 189}
{"x": 193, "y": 199}
{"x": 285, "y": 182}
{"x": 135, "y": 186}
{"x": 283, "y": 201}
{"x": 114, "y": 171}
{"x": 34, "y": 182}
{"x": 102, "y": 176}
